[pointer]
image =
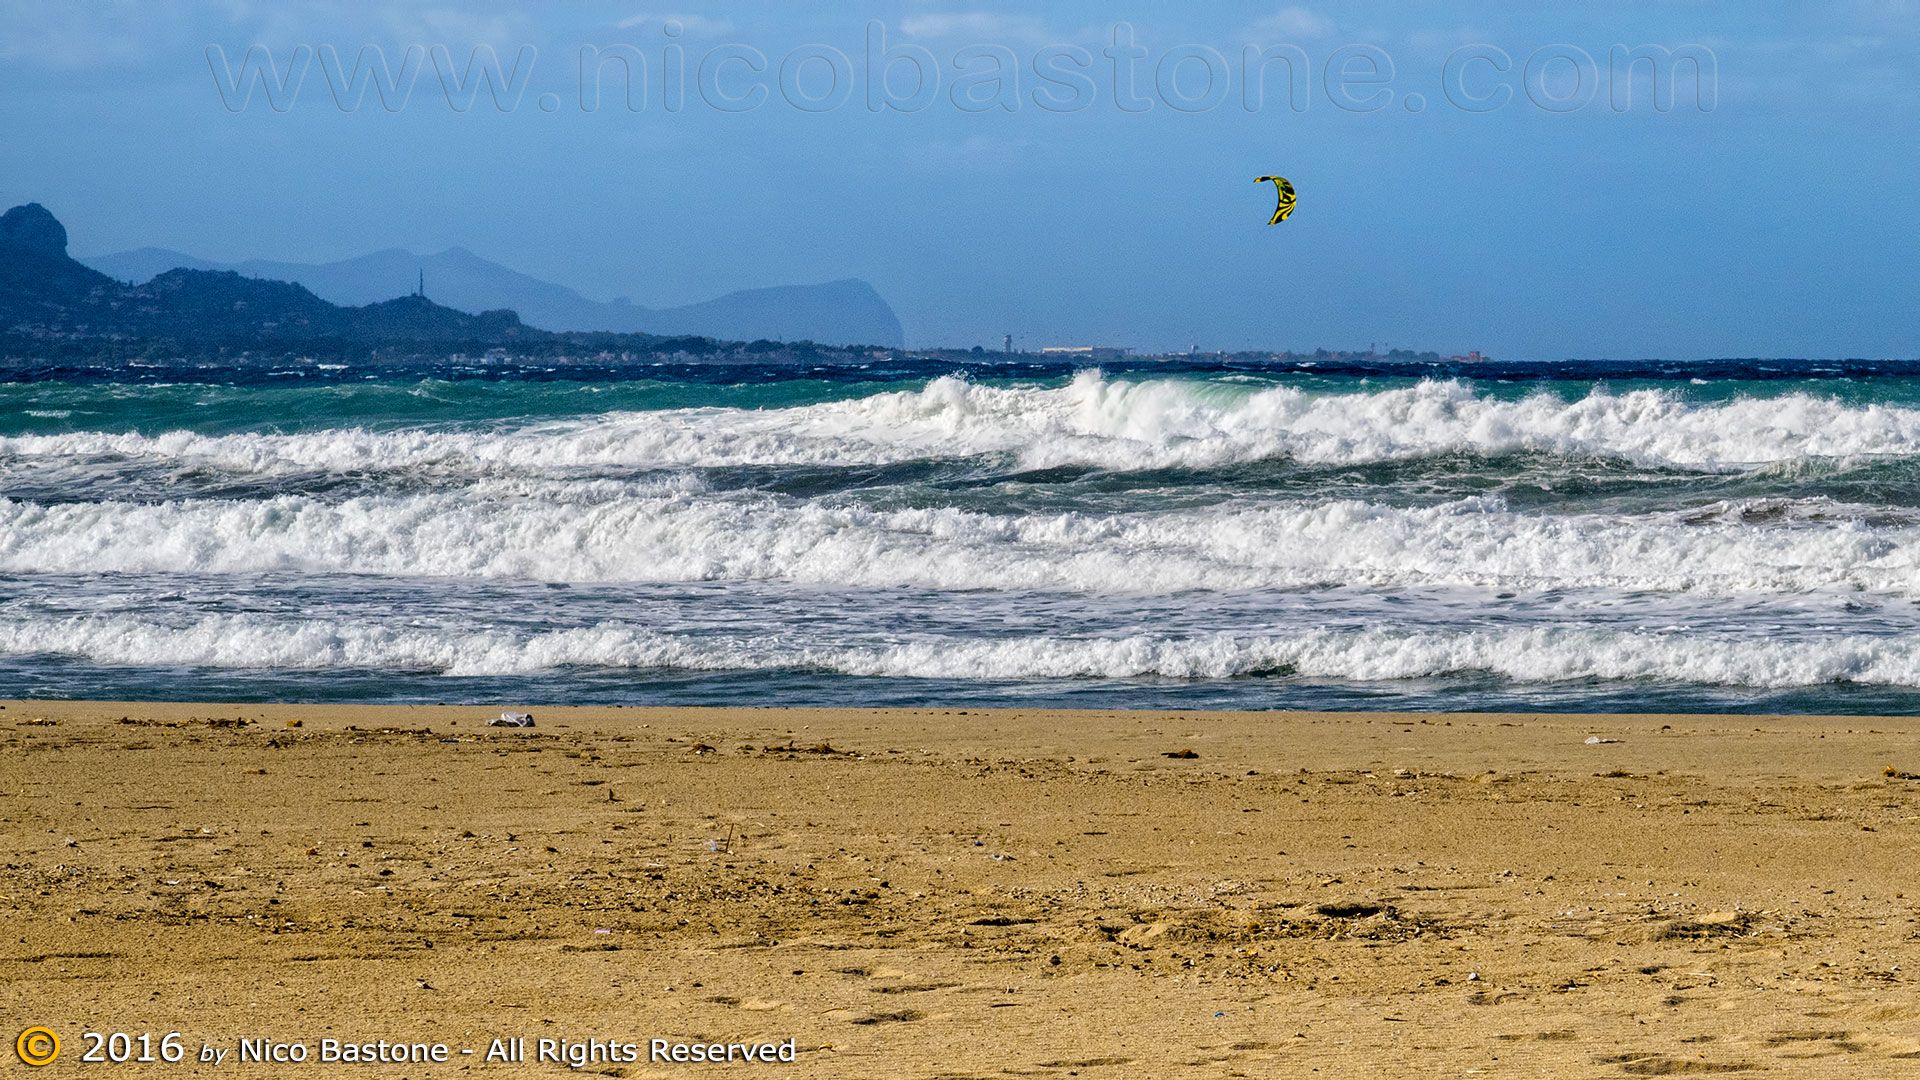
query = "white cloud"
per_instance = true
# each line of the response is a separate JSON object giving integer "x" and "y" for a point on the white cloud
{"x": 77, "y": 36}
{"x": 1893, "y": 15}
{"x": 976, "y": 24}
{"x": 123, "y": 32}
{"x": 1290, "y": 24}
{"x": 443, "y": 24}
{"x": 406, "y": 21}
{"x": 692, "y": 25}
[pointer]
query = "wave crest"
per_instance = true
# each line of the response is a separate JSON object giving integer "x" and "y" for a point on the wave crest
{"x": 606, "y": 534}
{"x": 1092, "y": 421}
{"x": 1528, "y": 656}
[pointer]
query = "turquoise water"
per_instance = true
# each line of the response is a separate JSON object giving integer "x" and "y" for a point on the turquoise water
{"x": 1741, "y": 535}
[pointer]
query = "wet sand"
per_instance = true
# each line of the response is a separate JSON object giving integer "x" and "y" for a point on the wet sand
{"x": 948, "y": 893}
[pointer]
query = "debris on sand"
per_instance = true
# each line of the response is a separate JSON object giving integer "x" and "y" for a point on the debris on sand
{"x": 1355, "y": 909}
{"x": 817, "y": 748}
{"x": 1185, "y": 753}
{"x": 512, "y": 719}
{"x": 1712, "y": 924}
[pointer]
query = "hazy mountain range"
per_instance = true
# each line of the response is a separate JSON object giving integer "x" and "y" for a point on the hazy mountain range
{"x": 48, "y": 300}
{"x": 836, "y": 312}
{"x": 55, "y": 310}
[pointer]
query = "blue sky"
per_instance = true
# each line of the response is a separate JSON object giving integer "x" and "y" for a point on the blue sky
{"x": 1547, "y": 210}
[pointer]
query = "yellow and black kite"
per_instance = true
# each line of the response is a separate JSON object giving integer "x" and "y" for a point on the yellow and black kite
{"x": 1285, "y": 188}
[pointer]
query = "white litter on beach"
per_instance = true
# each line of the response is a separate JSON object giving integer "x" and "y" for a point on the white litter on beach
{"x": 512, "y": 719}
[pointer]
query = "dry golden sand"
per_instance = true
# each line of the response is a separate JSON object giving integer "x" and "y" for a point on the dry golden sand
{"x": 946, "y": 893}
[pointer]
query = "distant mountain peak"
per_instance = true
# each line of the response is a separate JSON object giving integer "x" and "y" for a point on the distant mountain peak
{"x": 847, "y": 311}
{"x": 33, "y": 228}
{"x": 50, "y": 301}
{"x": 53, "y": 306}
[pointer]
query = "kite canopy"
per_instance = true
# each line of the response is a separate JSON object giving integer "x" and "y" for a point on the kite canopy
{"x": 1285, "y": 188}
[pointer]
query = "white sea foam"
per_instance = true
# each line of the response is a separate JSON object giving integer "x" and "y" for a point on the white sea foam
{"x": 1472, "y": 542}
{"x": 1534, "y": 656}
{"x": 1094, "y": 420}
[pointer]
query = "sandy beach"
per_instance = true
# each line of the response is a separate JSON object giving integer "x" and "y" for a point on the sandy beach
{"x": 948, "y": 893}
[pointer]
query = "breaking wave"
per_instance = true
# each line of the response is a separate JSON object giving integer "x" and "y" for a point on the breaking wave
{"x": 1536, "y": 655}
{"x": 1200, "y": 527}
{"x": 1092, "y": 421}
{"x": 609, "y": 533}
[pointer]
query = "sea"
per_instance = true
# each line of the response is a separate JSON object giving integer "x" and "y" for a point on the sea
{"x": 1739, "y": 536}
